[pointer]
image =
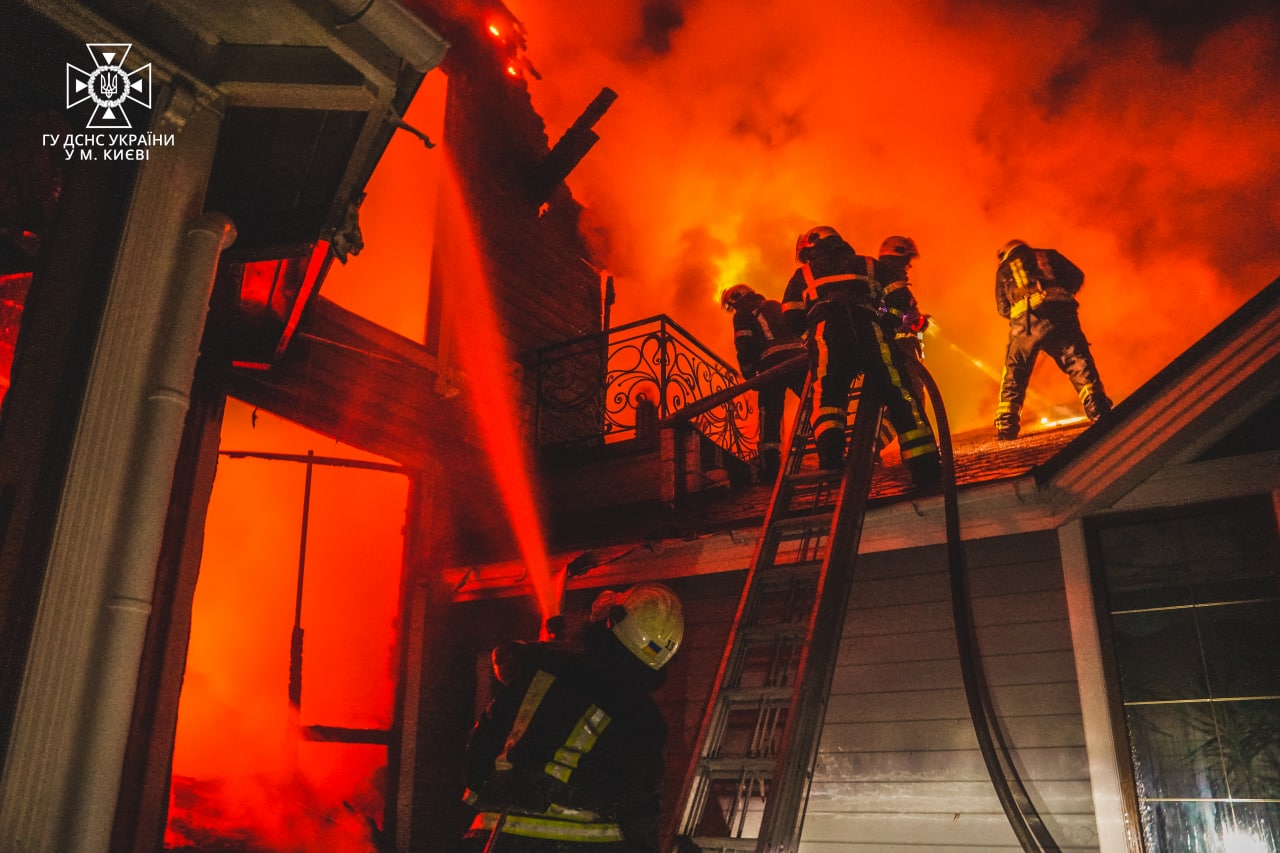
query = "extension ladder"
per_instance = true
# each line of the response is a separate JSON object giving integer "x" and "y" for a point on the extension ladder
{"x": 748, "y": 782}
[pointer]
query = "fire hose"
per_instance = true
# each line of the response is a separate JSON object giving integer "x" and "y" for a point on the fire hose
{"x": 1027, "y": 825}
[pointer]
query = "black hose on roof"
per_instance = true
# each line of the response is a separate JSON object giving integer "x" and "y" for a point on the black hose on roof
{"x": 1026, "y": 822}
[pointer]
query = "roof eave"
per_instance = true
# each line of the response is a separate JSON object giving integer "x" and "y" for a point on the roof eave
{"x": 1195, "y": 401}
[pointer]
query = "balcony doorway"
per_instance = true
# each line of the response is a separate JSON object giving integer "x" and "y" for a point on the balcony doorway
{"x": 287, "y": 696}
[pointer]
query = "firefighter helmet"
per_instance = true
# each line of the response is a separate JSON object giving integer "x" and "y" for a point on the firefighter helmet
{"x": 730, "y": 298}
{"x": 1008, "y": 248}
{"x": 811, "y": 238}
{"x": 647, "y": 619}
{"x": 902, "y": 247}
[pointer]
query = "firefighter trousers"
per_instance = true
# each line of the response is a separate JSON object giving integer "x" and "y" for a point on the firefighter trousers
{"x": 849, "y": 343}
{"x": 772, "y": 400}
{"x": 1060, "y": 337}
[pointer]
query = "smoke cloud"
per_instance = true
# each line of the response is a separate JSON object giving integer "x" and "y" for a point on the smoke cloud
{"x": 1138, "y": 139}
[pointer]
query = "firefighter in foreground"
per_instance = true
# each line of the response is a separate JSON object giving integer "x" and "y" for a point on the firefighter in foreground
{"x": 835, "y": 296}
{"x": 763, "y": 340}
{"x": 1035, "y": 292}
{"x": 569, "y": 755}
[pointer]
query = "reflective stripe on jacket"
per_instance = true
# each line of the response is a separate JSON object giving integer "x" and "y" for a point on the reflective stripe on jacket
{"x": 547, "y": 827}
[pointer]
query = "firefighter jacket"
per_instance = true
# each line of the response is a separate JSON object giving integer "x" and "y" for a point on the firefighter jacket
{"x": 834, "y": 273}
{"x": 900, "y": 312}
{"x": 761, "y": 335}
{"x": 1030, "y": 281}
{"x": 571, "y": 748}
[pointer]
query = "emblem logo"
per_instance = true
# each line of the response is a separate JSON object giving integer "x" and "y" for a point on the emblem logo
{"x": 109, "y": 86}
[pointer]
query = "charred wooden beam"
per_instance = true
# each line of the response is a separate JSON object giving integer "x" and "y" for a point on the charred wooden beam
{"x": 569, "y": 151}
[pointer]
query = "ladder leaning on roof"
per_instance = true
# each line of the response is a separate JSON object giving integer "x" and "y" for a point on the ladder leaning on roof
{"x": 753, "y": 762}
{"x": 748, "y": 783}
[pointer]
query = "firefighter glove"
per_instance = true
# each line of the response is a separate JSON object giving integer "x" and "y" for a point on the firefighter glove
{"x": 914, "y": 321}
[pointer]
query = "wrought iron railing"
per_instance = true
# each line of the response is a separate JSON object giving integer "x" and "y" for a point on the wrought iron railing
{"x": 589, "y": 389}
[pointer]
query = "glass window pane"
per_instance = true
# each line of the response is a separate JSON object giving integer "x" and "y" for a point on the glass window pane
{"x": 1141, "y": 563}
{"x": 1240, "y": 643}
{"x": 1175, "y": 751}
{"x": 1210, "y": 827}
{"x": 1158, "y": 655}
{"x": 1249, "y": 744}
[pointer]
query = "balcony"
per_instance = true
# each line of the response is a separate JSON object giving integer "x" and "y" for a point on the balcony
{"x": 603, "y": 417}
{"x": 606, "y": 387}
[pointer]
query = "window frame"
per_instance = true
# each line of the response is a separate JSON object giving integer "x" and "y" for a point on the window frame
{"x": 1266, "y": 504}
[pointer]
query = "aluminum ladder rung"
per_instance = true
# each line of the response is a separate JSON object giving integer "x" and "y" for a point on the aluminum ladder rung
{"x": 760, "y": 634}
{"x": 750, "y": 697}
{"x": 802, "y": 522}
{"x": 735, "y": 767}
{"x": 771, "y": 578}
{"x": 725, "y": 845}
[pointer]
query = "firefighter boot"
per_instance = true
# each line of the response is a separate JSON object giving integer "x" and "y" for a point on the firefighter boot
{"x": 770, "y": 465}
{"x": 1007, "y": 416}
{"x": 830, "y": 449}
{"x": 926, "y": 469}
{"x": 1095, "y": 401}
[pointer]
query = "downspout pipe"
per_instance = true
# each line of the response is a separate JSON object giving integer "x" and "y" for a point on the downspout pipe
{"x": 403, "y": 32}
{"x": 126, "y": 603}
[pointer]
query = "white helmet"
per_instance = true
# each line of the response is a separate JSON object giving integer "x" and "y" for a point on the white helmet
{"x": 647, "y": 619}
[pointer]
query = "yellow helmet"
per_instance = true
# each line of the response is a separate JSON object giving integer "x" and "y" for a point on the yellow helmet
{"x": 811, "y": 238}
{"x": 731, "y": 297}
{"x": 1008, "y": 248}
{"x": 903, "y": 247}
{"x": 647, "y": 619}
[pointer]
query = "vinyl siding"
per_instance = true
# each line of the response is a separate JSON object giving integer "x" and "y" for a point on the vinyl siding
{"x": 899, "y": 766}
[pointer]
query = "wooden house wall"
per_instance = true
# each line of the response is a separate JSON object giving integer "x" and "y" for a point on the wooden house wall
{"x": 544, "y": 286}
{"x": 899, "y": 764}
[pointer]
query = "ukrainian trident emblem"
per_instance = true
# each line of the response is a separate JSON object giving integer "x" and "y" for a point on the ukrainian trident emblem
{"x": 109, "y": 86}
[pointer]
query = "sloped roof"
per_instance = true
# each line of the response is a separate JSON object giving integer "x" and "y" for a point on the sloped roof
{"x": 1219, "y": 382}
{"x": 979, "y": 459}
{"x": 1240, "y": 352}
{"x": 1225, "y": 389}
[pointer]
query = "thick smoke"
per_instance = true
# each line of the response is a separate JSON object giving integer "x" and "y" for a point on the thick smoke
{"x": 1139, "y": 139}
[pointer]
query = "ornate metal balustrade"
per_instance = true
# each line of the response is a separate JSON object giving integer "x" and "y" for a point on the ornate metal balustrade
{"x": 590, "y": 389}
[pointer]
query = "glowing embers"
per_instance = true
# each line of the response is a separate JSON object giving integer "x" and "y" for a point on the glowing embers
{"x": 258, "y": 301}
{"x": 508, "y": 36}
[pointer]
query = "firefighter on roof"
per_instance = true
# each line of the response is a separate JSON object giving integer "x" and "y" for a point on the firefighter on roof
{"x": 763, "y": 339}
{"x": 900, "y": 315}
{"x": 569, "y": 754}
{"x": 1035, "y": 292}
{"x": 835, "y": 296}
